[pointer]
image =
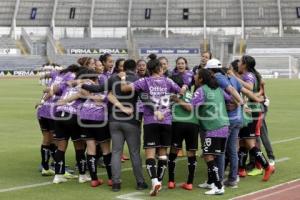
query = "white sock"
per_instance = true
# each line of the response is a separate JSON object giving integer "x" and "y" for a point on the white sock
{"x": 154, "y": 181}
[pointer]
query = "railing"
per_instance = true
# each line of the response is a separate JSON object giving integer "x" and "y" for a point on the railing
{"x": 25, "y": 38}
{"x": 51, "y": 48}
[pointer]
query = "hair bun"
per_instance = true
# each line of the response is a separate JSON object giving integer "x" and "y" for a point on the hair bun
{"x": 152, "y": 56}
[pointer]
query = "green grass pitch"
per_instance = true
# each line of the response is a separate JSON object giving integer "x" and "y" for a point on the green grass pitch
{"x": 20, "y": 139}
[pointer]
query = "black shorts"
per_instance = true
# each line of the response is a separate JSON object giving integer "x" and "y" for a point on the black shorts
{"x": 94, "y": 131}
{"x": 66, "y": 127}
{"x": 214, "y": 145}
{"x": 46, "y": 124}
{"x": 185, "y": 131}
{"x": 157, "y": 135}
{"x": 253, "y": 129}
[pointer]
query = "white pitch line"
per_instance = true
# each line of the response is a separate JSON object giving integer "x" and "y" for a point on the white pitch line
{"x": 49, "y": 183}
{"x": 126, "y": 169}
{"x": 286, "y": 140}
{"x": 130, "y": 196}
{"x": 282, "y": 159}
{"x": 25, "y": 187}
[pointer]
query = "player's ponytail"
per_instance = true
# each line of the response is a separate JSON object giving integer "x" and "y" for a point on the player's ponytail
{"x": 250, "y": 63}
{"x": 153, "y": 64}
{"x": 208, "y": 78}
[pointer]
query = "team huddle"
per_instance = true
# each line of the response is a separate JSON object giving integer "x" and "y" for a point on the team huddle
{"x": 97, "y": 104}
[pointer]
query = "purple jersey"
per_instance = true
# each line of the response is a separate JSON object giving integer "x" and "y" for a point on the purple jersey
{"x": 72, "y": 106}
{"x": 187, "y": 76}
{"x": 102, "y": 78}
{"x": 158, "y": 90}
{"x": 47, "y": 110}
{"x": 249, "y": 77}
{"x": 91, "y": 110}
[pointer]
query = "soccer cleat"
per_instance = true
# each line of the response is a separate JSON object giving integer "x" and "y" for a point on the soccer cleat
{"x": 95, "y": 183}
{"x": 84, "y": 178}
{"x": 255, "y": 172}
{"x": 242, "y": 173}
{"x": 68, "y": 175}
{"x": 155, "y": 188}
{"x": 171, "y": 185}
{"x": 268, "y": 172}
{"x": 48, "y": 172}
{"x": 205, "y": 185}
{"x": 215, "y": 191}
{"x": 58, "y": 178}
{"x": 109, "y": 182}
{"x": 187, "y": 186}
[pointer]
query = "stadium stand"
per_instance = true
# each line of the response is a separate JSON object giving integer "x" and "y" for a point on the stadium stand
{"x": 42, "y": 16}
{"x": 223, "y": 13}
{"x": 67, "y": 19}
{"x": 81, "y": 13}
{"x": 261, "y": 13}
{"x": 110, "y": 13}
{"x": 6, "y": 12}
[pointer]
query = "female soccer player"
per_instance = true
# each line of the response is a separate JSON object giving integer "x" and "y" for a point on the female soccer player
{"x": 93, "y": 120}
{"x": 141, "y": 68}
{"x": 119, "y": 65}
{"x": 46, "y": 117}
{"x": 251, "y": 80}
{"x": 88, "y": 62}
{"x": 185, "y": 126}
{"x": 208, "y": 102}
{"x": 164, "y": 64}
{"x": 66, "y": 127}
{"x": 157, "y": 121}
{"x": 108, "y": 63}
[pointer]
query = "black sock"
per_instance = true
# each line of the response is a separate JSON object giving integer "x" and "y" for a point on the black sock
{"x": 192, "y": 162}
{"x": 151, "y": 168}
{"x": 161, "y": 169}
{"x": 209, "y": 177}
{"x": 214, "y": 173}
{"x": 59, "y": 162}
{"x": 171, "y": 166}
{"x": 107, "y": 162}
{"x": 243, "y": 154}
{"x": 92, "y": 166}
{"x": 53, "y": 149}
{"x": 45, "y": 153}
{"x": 259, "y": 157}
{"x": 81, "y": 161}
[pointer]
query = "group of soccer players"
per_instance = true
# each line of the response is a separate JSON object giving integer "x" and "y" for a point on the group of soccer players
{"x": 223, "y": 106}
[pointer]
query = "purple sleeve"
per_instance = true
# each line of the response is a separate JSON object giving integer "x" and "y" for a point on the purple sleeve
{"x": 227, "y": 97}
{"x": 139, "y": 85}
{"x": 198, "y": 98}
{"x": 249, "y": 78}
{"x": 53, "y": 74}
{"x": 173, "y": 87}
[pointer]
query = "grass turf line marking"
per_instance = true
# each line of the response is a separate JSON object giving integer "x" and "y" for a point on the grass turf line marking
{"x": 126, "y": 169}
{"x": 270, "y": 188}
{"x": 286, "y": 140}
{"x": 50, "y": 182}
{"x": 130, "y": 196}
